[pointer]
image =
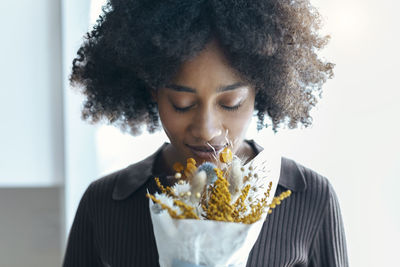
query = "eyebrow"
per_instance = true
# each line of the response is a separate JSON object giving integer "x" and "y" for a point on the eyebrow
{"x": 181, "y": 88}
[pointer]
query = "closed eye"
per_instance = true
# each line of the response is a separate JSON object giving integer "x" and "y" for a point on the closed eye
{"x": 228, "y": 108}
{"x": 232, "y": 108}
{"x": 182, "y": 110}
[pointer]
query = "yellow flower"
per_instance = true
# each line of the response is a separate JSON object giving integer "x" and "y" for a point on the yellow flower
{"x": 191, "y": 160}
{"x": 190, "y": 169}
{"x": 178, "y": 167}
{"x": 215, "y": 200}
{"x": 226, "y": 155}
{"x": 218, "y": 207}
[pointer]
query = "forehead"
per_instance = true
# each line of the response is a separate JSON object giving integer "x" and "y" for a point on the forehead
{"x": 208, "y": 69}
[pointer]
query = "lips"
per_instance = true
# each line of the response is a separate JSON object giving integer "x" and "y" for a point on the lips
{"x": 205, "y": 152}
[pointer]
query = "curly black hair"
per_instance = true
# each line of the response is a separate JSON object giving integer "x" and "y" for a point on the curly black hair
{"x": 138, "y": 45}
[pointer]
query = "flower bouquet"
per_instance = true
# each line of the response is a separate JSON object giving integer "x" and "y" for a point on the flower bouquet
{"x": 213, "y": 215}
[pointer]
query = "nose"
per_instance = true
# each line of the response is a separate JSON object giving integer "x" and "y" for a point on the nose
{"x": 206, "y": 125}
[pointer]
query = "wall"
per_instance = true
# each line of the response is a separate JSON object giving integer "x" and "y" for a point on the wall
{"x": 35, "y": 107}
{"x": 30, "y": 227}
{"x": 31, "y": 94}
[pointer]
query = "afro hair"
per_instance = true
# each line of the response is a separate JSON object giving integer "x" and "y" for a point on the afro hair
{"x": 139, "y": 45}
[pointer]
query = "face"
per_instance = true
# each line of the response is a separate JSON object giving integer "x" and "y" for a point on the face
{"x": 206, "y": 104}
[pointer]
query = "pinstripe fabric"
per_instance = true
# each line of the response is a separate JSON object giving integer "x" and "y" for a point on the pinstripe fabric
{"x": 112, "y": 226}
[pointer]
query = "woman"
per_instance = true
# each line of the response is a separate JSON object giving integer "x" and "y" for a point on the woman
{"x": 203, "y": 68}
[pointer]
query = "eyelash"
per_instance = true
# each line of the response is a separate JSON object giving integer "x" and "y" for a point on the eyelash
{"x": 234, "y": 108}
{"x": 183, "y": 110}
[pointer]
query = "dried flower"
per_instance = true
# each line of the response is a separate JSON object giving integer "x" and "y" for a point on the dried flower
{"x": 190, "y": 168}
{"x": 198, "y": 183}
{"x": 208, "y": 168}
{"x": 178, "y": 167}
{"x": 230, "y": 193}
{"x": 226, "y": 155}
{"x": 277, "y": 200}
{"x": 218, "y": 207}
{"x": 235, "y": 178}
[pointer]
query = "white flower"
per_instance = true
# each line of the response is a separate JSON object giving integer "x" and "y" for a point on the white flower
{"x": 167, "y": 200}
{"x": 235, "y": 178}
{"x": 198, "y": 182}
{"x": 180, "y": 189}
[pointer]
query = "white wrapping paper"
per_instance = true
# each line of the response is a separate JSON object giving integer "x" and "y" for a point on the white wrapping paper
{"x": 188, "y": 242}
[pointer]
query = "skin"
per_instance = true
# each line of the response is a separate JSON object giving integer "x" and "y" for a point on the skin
{"x": 205, "y": 102}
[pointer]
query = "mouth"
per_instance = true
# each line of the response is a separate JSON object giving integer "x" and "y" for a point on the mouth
{"x": 206, "y": 152}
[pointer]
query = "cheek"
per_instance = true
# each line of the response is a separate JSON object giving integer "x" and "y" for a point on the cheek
{"x": 238, "y": 123}
{"x": 173, "y": 127}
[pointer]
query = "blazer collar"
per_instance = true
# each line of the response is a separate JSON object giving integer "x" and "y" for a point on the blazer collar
{"x": 136, "y": 175}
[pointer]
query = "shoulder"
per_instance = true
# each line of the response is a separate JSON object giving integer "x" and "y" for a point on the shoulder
{"x": 122, "y": 183}
{"x": 313, "y": 179}
{"x": 312, "y": 195}
{"x": 298, "y": 177}
{"x": 102, "y": 187}
{"x": 311, "y": 187}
